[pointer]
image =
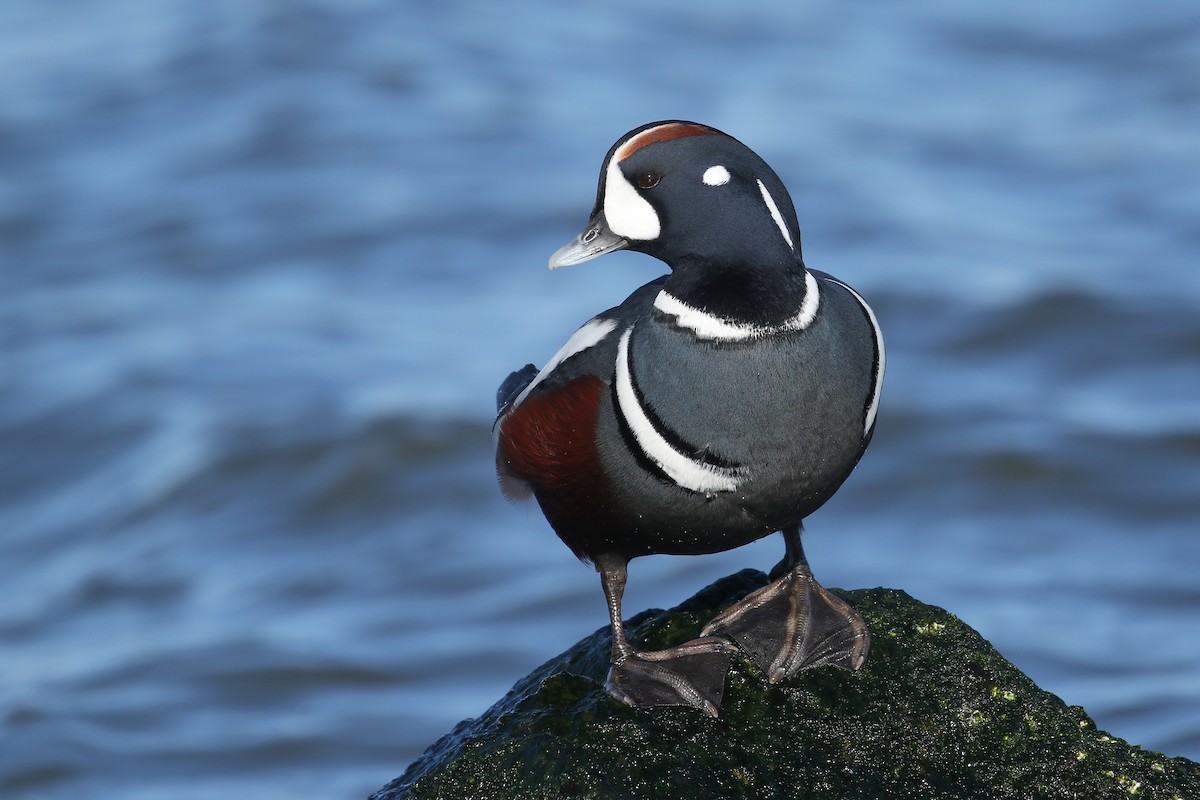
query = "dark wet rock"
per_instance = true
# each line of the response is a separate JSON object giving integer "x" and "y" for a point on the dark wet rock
{"x": 936, "y": 712}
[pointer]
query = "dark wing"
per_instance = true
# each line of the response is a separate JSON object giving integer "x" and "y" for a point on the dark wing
{"x": 590, "y": 350}
{"x": 512, "y": 386}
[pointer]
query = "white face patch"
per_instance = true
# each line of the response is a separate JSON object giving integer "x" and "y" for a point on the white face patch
{"x": 629, "y": 215}
{"x": 775, "y": 215}
{"x": 715, "y": 175}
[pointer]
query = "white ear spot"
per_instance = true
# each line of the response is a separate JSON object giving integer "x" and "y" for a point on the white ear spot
{"x": 715, "y": 175}
{"x": 628, "y": 214}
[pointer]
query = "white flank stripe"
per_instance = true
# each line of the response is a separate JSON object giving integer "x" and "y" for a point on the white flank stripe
{"x": 627, "y": 213}
{"x": 685, "y": 471}
{"x": 873, "y": 406}
{"x": 775, "y": 215}
{"x": 591, "y": 334}
{"x": 710, "y": 326}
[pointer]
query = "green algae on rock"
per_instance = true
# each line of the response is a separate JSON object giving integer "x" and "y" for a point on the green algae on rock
{"x": 936, "y": 712}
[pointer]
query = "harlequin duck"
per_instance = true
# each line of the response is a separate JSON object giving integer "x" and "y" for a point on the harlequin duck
{"x": 719, "y": 403}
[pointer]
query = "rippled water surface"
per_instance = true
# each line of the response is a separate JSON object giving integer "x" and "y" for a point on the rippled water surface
{"x": 263, "y": 264}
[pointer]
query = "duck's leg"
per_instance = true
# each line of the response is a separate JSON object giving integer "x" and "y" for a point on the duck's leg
{"x": 692, "y": 674}
{"x": 793, "y": 623}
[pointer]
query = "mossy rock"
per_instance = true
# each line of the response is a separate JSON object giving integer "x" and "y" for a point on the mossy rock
{"x": 936, "y": 712}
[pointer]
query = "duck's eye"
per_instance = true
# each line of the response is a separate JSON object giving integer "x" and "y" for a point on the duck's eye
{"x": 648, "y": 180}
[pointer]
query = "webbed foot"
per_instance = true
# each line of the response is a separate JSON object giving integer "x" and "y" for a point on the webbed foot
{"x": 794, "y": 623}
{"x": 692, "y": 674}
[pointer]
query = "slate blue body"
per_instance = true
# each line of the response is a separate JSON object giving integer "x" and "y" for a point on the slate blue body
{"x": 789, "y": 408}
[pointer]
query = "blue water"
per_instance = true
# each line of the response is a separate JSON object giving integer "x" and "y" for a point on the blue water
{"x": 263, "y": 264}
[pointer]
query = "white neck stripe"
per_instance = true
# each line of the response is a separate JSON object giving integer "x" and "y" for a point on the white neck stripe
{"x": 710, "y": 326}
{"x": 881, "y": 364}
{"x": 775, "y": 215}
{"x": 684, "y": 470}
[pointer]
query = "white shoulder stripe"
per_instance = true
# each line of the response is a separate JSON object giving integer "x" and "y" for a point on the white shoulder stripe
{"x": 881, "y": 357}
{"x": 591, "y": 334}
{"x": 775, "y": 215}
{"x": 685, "y": 471}
{"x": 709, "y": 326}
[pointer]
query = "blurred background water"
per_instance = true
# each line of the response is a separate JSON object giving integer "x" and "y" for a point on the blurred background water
{"x": 263, "y": 264}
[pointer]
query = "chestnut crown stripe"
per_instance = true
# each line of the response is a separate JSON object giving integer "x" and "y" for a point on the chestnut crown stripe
{"x": 661, "y": 133}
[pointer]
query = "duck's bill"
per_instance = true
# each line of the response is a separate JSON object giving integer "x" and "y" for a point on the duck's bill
{"x": 595, "y": 240}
